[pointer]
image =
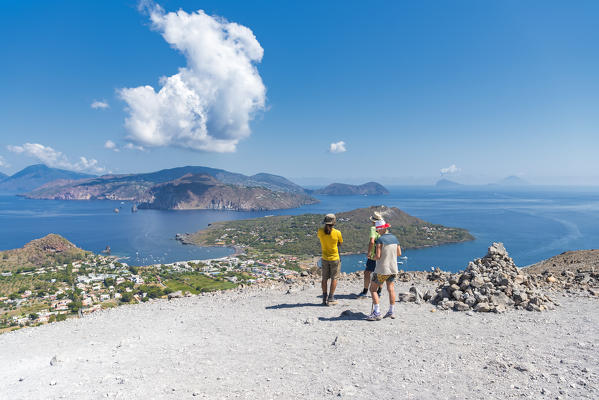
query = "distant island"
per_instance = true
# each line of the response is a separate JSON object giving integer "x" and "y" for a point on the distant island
{"x": 446, "y": 183}
{"x": 35, "y": 176}
{"x": 191, "y": 187}
{"x": 296, "y": 234}
{"x": 511, "y": 180}
{"x": 342, "y": 189}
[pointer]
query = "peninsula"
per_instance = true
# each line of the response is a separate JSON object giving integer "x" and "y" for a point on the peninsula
{"x": 296, "y": 234}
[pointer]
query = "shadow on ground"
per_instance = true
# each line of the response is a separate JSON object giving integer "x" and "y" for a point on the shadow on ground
{"x": 346, "y": 315}
{"x": 279, "y": 306}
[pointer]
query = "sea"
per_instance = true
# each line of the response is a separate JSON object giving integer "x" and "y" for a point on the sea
{"x": 533, "y": 222}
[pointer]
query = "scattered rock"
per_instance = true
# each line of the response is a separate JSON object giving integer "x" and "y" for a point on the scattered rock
{"x": 175, "y": 295}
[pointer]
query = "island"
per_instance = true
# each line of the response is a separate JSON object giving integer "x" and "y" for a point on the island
{"x": 342, "y": 189}
{"x": 296, "y": 234}
{"x": 446, "y": 183}
{"x": 183, "y": 188}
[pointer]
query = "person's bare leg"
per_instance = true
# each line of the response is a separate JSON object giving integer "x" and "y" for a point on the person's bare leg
{"x": 324, "y": 285}
{"x": 391, "y": 290}
{"x": 375, "y": 296}
{"x": 333, "y": 287}
{"x": 367, "y": 279}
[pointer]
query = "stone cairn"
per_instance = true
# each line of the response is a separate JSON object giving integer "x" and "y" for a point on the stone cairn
{"x": 490, "y": 284}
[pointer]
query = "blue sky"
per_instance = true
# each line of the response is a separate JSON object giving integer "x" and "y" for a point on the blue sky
{"x": 478, "y": 89}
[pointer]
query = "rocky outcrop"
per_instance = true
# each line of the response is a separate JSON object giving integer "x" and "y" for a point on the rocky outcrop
{"x": 490, "y": 284}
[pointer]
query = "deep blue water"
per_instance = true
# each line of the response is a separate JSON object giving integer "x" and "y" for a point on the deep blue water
{"x": 533, "y": 223}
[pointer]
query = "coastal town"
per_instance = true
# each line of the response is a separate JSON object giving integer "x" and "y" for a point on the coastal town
{"x": 39, "y": 295}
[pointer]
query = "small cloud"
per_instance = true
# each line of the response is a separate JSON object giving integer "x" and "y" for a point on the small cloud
{"x": 131, "y": 146}
{"x": 3, "y": 162}
{"x": 100, "y": 105}
{"x": 452, "y": 169}
{"x": 338, "y": 147}
{"x": 56, "y": 159}
{"x": 110, "y": 145}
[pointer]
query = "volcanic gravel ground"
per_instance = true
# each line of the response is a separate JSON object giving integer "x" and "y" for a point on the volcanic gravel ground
{"x": 267, "y": 343}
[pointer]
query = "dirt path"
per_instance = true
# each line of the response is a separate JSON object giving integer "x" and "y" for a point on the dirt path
{"x": 266, "y": 344}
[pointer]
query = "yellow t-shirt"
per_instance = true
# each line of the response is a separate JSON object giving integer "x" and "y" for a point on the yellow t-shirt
{"x": 330, "y": 252}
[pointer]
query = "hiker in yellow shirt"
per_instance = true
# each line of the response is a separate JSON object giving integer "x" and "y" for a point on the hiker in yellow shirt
{"x": 330, "y": 240}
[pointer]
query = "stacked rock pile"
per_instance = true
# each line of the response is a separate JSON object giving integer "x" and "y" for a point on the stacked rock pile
{"x": 490, "y": 284}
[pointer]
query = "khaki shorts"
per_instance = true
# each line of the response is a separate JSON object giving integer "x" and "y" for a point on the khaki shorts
{"x": 331, "y": 269}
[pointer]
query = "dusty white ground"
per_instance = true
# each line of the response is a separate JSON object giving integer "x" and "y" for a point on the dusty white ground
{"x": 272, "y": 345}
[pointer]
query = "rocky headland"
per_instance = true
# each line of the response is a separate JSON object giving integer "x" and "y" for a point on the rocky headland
{"x": 205, "y": 192}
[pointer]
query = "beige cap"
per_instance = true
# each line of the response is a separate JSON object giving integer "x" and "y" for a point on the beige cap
{"x": 330, "y": 219}
{"x": 376, "y": 216}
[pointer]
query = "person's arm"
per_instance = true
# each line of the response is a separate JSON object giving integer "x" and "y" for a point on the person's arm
{"x": 398, "y": 250}
{"x": 378, "y": 251}
{"x": 370, "y": 246}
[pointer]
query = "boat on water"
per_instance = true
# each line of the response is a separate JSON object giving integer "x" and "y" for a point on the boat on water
{"x": 403, "y": 257}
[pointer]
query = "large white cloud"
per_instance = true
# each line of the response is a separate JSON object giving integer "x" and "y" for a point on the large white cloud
{"x": 452, "y": 169}
{"x": 210, "y": 102}
{"x": 337, "y": 147}
{"x": 57, "y": 159}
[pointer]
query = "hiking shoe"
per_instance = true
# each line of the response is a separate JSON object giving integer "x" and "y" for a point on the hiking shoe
{"x": 375, "y": 316}
{"x": 324, "y": 301}
{"x": 389, "y": 315}
{"x": 363, "y": 293}
{"x": 332, "y": 300}
{"x": 379, "y": 292}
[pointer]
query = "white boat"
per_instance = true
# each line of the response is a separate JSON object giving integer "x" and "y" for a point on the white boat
{"x": 403, "y": 257}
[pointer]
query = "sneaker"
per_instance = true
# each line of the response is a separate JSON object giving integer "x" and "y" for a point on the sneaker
{"x": 332, "y": 300}
{"x": 363, "y": 293}
{"x": 389, "y": 315}
{"x": 324, "y": 299}
{"x": 375, "y": 316}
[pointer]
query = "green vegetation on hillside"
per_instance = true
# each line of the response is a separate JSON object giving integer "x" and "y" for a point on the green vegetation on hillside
{"x": 296, "y": 234}
{"x": 48, "y": 251}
